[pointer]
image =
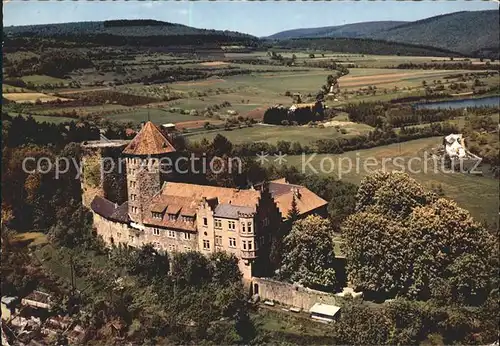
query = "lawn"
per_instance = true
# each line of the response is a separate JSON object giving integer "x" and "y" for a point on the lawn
{"x": 273, "y": 134}
{"x": 159, "y": 116}
{"x": 289, "y": 327}
{"x": 51, "y": 119}
{"x": 42, "y": 79}
{"x": 478, "y": 194}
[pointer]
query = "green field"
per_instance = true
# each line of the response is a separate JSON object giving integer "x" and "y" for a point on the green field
{"x": 41, "y": 79}
{"x": 477, "y": 194}
{"x": 159, "y": 116}
{"x": 273, "y": 134}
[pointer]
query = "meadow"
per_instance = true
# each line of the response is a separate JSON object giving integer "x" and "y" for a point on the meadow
{"x": 478, "y": 194}
{"x": 273, "y": 134}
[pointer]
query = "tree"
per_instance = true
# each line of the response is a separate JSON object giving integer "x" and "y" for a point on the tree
{"x": 398, "y": 225}
{"x": 309, "y": 257}
{"x": 225, "y": 269}
{"x": 221, "y": 146}
{"x": 293, "y": 213}
{"x": 190, "y": 269}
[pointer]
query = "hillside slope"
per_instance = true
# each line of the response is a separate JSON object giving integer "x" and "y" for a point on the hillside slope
{"x": 348, "y": 30}
{"x": 139, "y": 28}
{"x": 472, "y": 33}
{"x": 465, "y": 32}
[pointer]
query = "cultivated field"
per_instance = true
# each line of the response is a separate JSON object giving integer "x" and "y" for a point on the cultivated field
{"x": 31, "y": 97}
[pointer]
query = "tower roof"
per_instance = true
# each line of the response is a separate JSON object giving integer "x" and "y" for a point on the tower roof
{"x": 149, "y": 141}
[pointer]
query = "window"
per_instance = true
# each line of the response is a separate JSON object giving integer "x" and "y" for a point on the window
{"x": 232, "y": 242}
{"x": 205, "y": 221}
{"x": 218, "y": 240}
{"x": 131, "y": 238}
{"x": 133, "y": 197}
{"x": 157, "y": 245}
{"x": 218, "y": 223}
{"x": 243, "y": 229}
{"x": 187, "y": 248}
{"x": 231, "y": 225}
{"x": 156, "y": 231}
{"x": 249, "y": 227}
{"x": 206, "y": 244}
{"x": 118, "y": 234}
{"x": 134, "y": 210}
{"x": 187, "y": 235}
{"x": 132, "y": 183}
{"x": 171, "y": 217}
{"x": 171, "y": 234}
{"x": 249, "y": 245}
{"x": 156, "y": 215}
{"x": 244, "y": 242}
{"x": 171, "y": 247}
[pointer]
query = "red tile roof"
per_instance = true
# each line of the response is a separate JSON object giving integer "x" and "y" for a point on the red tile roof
{"x": 149, "y": 141}
{"x": 283, "y": 193}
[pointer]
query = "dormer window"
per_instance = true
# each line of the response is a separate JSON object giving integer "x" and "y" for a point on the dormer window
{"x": 172, "y": 217}
{"x": 156, "y": 215}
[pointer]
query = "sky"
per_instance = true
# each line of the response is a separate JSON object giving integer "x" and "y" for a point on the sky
{"x": 259, "y": 18}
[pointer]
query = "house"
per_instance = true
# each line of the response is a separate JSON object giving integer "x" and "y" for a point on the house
{"x": 179, "y": 217}
{"x": 37, "y": 300}
{"x": 324, "y": 312}
{"x": 308, "y": 203}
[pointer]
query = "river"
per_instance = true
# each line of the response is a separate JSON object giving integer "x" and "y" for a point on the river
{"x": 490, "y": 101}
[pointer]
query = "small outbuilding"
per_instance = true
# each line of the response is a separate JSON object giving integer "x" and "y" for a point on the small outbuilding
{"x": 324, "y": 312}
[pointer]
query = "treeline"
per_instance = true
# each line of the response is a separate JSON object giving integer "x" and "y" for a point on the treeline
{"x": 110, "y": 96}
{"x": 302, "y": 115}
{"x": 448, "y": 66}
{"x": 375, "y": 138}
{"x": 360, "y": 46}
{"x": 115, "y": 40}
{"x": 18, "y": 131}
{"x": 55, "y": 63}
{"x": 378, "y": 114}
{"x": 37, "y": 201}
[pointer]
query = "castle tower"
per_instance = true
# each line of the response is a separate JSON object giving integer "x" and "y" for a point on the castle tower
{"x": 147, "y": 161}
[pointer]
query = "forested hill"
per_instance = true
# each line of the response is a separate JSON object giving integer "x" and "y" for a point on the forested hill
{"x": 348, "y": 30}
{"x": 144, "y": 27}
{"x": 466, "y": 32}
{"x": 471, "y": 33}
{"x": 123, "y": 32}
{"x": 361, "y": 46}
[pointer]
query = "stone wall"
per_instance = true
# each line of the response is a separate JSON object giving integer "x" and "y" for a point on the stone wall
{"x": 111, "y": 181}
{"x": 289, "y": 294}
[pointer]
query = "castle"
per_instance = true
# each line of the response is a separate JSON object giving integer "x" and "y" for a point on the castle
{"x": 180, "y": 217}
